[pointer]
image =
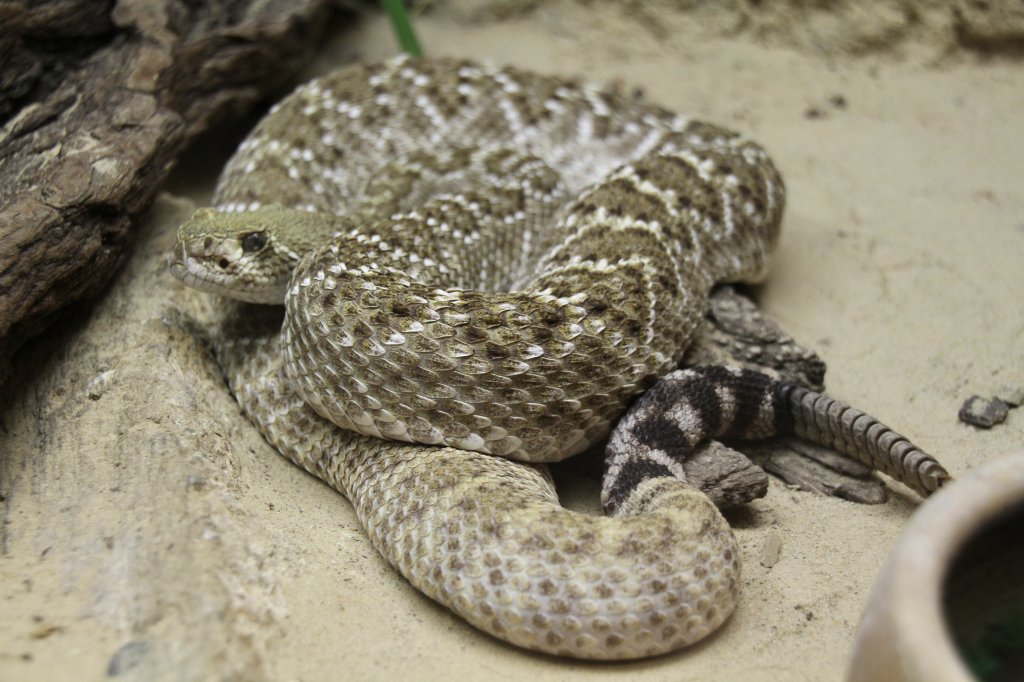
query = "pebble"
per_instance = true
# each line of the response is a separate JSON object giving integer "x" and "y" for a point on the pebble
{"x": 771, "y": 550}
{"x": 983, "y": 412}
{"x": 1011, "y": 394}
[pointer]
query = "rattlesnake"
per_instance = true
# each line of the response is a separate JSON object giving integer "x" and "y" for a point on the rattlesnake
{"x": 515, "y": 259}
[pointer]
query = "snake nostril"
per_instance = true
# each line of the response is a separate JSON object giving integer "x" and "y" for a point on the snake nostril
{"x": 223, "y": 263}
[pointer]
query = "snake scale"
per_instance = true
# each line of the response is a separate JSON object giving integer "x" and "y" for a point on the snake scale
{"x": 483, "y": 268}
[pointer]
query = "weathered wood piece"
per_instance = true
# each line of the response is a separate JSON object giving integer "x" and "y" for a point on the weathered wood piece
{"x": 816, "y": 468}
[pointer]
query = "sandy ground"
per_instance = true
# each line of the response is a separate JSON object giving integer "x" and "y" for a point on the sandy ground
{"x": 902, "y": 262}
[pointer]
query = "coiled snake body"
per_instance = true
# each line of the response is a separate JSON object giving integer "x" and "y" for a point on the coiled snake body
{"x": 494, "y": 264}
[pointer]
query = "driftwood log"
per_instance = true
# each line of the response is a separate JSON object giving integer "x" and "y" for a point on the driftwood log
{"x": 97, "y": 99}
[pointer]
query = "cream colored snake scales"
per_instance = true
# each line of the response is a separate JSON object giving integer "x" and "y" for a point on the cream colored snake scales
{"x": 515, "y": 259}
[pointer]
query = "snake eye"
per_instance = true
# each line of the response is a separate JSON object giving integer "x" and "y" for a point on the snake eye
{"x": 253, "y": 242}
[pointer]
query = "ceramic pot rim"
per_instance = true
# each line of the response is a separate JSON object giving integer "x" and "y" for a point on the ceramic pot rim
{"x": 905, "y": 613}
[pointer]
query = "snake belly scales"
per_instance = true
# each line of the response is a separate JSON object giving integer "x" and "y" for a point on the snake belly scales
{"x": 482, "y": 268}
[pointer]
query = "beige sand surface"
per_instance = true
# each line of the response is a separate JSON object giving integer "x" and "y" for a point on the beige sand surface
{"x": 902, "y": 263}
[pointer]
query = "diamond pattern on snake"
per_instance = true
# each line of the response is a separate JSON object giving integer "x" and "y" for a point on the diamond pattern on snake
{"x": 482, "y": 269}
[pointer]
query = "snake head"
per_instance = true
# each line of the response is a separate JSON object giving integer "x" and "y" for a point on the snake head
{"x": 239, "y": 254}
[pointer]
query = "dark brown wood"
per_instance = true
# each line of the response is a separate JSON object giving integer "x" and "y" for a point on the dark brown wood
{"x": 728, "y": 477}
{"x": 813, "y": 467}
{"x": 97, "y": 100}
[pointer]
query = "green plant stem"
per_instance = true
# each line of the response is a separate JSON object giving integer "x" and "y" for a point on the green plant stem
{"x": 403, "y": 27}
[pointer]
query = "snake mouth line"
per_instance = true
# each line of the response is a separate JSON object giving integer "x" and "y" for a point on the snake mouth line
{"x": 197, "y": 277}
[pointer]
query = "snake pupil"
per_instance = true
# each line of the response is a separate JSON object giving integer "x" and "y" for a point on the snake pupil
{"x": 253, "y": 242}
